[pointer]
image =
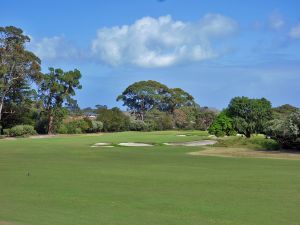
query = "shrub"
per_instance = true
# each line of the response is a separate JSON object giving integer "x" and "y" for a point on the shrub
{"x": 138, "y": 125}
{"x": 286, "y": 131}
{"x": 95, "y": 126}
{"x": 114, "y": 120}
{"x": 222, "y": 126}
{"x": 205, "y": 118}
{"x": 157, "y": 120}
{"x": 74, "y": 127}
{"x": 62, "y": 129}
{"x": 20, "y": 131}
{"x": 180, "y": 118}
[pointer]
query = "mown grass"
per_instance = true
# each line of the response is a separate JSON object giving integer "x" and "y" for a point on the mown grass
{"x": 65, "y": 181}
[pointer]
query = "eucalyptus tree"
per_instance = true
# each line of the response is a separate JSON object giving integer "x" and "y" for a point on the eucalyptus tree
{"x": 143, "y": 96}
{"x": 18, "y": 67}
{"x": 56, "y": 88}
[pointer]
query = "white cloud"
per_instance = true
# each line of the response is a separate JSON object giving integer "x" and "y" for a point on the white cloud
{"x": 53, "y": 48}
{"x": 295, "y": 32}
{"x": 276, "y": 22}
{"x": 160, "y": 42}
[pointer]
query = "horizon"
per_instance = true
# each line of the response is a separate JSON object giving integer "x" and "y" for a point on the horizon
{"x": 213, "y": 50}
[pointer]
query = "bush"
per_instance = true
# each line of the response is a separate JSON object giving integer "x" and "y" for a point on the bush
{"x": 74, "y": 127}
{"x": 114, "y": 120}
{"x": 205, "y": 118}
{"x": 157, "y": 120}
{"x": 180, "y": 118}
{"x": 95, "y": 126}
{"x": 222, "y": 126}
{"x": 20, "y": 131}
{"x": 138, "y": 125}
{"x": 286, "y": 131}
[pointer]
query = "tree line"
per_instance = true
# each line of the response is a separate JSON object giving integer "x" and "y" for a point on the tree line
{"x": 51, "y": 107}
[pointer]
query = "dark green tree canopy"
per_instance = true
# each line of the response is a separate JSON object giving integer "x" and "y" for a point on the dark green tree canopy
{"x": 179, "y": 98}
{"x": 284, "y": 111}
{"x": 222, "y": 126}
{"x": 144, "y": 96}
{"x": 249, "y": 115}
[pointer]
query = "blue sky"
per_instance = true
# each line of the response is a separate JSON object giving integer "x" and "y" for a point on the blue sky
{"x": 211, "y": 48}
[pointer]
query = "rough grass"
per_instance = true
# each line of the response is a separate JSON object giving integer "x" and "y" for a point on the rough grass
{"x": 258, "y": 142}
{"x": 62, "y": 180}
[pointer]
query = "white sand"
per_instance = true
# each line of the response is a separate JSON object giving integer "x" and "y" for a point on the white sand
{"x": 134, "y": 144}
{"x": 102, "y": 144}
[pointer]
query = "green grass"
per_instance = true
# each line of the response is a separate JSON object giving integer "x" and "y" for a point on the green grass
{"x": 73, "y": 184}
{"x": 256, "y": 142}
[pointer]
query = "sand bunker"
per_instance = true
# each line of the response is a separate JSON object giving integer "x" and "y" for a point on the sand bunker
{"x": 244, "y": 152}
{"x": 193, "y": 143}
{"x": 134, "y": 144}
{"x": 100, "y": 144}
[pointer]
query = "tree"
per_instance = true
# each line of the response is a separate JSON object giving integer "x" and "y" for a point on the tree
{"x": 222, "y": 126}
{"x": 20, "y": 108}
{"x": 286, "y": 131}
{"x": 143, "y": 96}
{"x": 249, "y": 115}
{"x": 283, "y": 111}
{"x": 204, "y": 118}
{"x": 179, "y": 98}
{"x": 18, "y": 67}
{"x": 56, "y": 88}
{"x": 180, "y": 118}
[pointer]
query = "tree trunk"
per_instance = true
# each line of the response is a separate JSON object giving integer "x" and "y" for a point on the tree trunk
{"x": 248, "y": 134}
{"x": 1, "y": 108}
{"x": 50, "y": 124}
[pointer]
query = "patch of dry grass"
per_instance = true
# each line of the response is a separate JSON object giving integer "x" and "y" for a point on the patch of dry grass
{"x": 246, "y": 152}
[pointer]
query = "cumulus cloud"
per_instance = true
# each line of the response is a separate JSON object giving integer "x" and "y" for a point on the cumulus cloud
{"x": 161, "y": 42}
{"x": 295, "y": 32}
{"x": 53, "y": 48}
{"x": 276, "y": 21}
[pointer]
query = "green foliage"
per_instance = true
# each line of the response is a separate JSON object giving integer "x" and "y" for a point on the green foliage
{"x": 20, "y": 131}
{"x": 56, "y": 88}
{"x": 222, "y": 126}
{"x": 144, "y": 96}
{"x": 177, "y": 99}
{"x": 181, "y": 119}
{"x": 113, "y": 120}
{"x": 249, "y": 115}
{"x": 204, "y": 118}
{"x": 78, "y": 126}
{"x": 286, "y": 131}
{"x": 95, "y": 126}
{"x": 157, "y": 120}
{"x": 283, "y": 111}
{"x": 257, "y": 142}
{"x": 138, "y": 125}
{"x": 18, "y": 68}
